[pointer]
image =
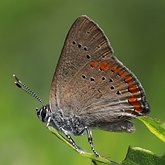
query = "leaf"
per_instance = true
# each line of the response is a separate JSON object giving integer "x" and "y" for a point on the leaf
{"x": 100, "y": 160}
{"x": 155, "y": 126}
{"x": 135, "y": 155}
{"x": 139, "y": 156}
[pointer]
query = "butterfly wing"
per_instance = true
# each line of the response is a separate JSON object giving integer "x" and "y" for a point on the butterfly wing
{"x": 90, "y": 82}
{"x": 84, "y": 40}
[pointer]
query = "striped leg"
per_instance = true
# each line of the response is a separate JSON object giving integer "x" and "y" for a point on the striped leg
{"x": 72, "y": 142}
{"x": 68, "y": 137}
{"x": 90, "y": 140}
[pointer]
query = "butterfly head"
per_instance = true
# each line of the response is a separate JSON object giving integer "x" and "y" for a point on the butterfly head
{"x": 43, "y": 113}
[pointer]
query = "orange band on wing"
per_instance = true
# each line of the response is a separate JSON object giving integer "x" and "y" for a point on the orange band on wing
{"x": 93, "y": 64}
{"x": 133, "y": 88}
{"x": 104, "y": 66}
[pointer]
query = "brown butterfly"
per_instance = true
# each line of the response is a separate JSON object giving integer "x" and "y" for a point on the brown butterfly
{"x": 90, "y": 88}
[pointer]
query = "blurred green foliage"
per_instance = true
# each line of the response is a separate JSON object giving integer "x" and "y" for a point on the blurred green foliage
{"x": 31, "y": 38}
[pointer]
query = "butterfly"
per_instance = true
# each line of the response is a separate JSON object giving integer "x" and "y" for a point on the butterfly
{"x": 91, "y": 88}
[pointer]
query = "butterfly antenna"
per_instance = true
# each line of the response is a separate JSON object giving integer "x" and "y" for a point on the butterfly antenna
{"x": 26, "y": 88}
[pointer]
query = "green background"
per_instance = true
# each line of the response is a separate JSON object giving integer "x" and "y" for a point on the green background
{"x": 31, "y": 38}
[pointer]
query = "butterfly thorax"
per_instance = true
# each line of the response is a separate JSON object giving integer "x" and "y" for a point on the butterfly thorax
{"x": 69, "y": 124}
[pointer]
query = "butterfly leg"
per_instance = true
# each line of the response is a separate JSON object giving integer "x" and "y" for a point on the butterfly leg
{"x": 68, "y": 138}
{"x": 72, "y": 142}
{"x": 90, "y": 140}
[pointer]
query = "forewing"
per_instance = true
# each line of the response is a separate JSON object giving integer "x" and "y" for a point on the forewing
{"x": 85, "y": 41}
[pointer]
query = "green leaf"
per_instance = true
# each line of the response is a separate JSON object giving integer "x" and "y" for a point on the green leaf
{"x": 155, "y": 126}
{"x": 100, "y": 160}
{"x": 139, "y": 156}
{"x": 135, "y": 155}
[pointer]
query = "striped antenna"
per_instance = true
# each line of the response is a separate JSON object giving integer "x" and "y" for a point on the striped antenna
{"x": 26, "y": 88}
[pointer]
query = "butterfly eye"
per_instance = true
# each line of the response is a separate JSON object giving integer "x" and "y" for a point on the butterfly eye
{"x": 43, "y": 114}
